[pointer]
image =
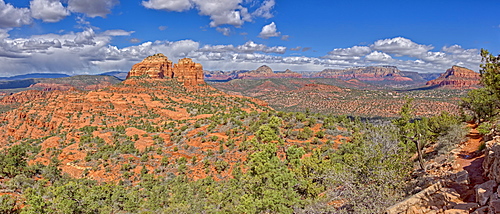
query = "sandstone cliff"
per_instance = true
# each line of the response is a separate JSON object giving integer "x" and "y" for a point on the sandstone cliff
{"x": 457, "y": 77}
{"x": 370, "y": 73}
{"x": 159, "y": 66}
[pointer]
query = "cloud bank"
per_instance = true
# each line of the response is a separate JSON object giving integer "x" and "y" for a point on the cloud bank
{"x": 90, "y": 51}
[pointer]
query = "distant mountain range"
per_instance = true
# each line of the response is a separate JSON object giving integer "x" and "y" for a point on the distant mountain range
{"x": 34, "y": 75}
{"x": 373, "y": 74}
{"x": 378, "y": 75}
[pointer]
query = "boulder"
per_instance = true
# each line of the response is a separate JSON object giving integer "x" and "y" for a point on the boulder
{"x": 491, "y": 163}
{"x": 484, "y": 191}
{"x": 494, "y": 207}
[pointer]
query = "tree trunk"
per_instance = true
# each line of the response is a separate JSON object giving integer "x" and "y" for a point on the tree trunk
{"x": 419, "y": 153}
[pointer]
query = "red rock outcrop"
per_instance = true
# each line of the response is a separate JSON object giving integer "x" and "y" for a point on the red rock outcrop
{"x": 457, "y": 77}
{"x": 159, "y": 66}
{"x": 370, "y": 73}
{"x": 189, "y": 72}
{"x": 265, "y": 72}
{"x": 24, "y": 96}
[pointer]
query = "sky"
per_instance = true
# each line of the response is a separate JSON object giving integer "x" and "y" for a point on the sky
{"x": 96, "y": 36}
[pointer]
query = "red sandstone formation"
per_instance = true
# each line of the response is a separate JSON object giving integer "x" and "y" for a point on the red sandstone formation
{"x": 158, "y": 67}
{"x": 24, "y": 96}
{"x": 369, "y": 73}
{"x": 189, "y": 72}
{"x": 457, "y": 77}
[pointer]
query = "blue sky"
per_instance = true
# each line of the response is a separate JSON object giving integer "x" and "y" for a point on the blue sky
{"x": 95, "y": 36}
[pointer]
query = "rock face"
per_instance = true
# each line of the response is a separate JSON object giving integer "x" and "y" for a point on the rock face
{"x": 189, "y": 72}
{"x": 24, "y": 96}
{"x": 491, "y": 163}
{"x": 370, "y": 73}
{"x": 265, "y": 72}
{"x": 159, "y": 66}
{"x": 457, "y": 77}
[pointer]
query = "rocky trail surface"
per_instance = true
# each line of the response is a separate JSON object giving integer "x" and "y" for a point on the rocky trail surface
{"x": 471, "y": 160}
{"x": 459, "y": 186}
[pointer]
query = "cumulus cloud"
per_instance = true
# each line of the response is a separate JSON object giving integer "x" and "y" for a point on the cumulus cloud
{"x": 13, "y": 17}
{"x": 168, "y": 5}
{"x": 135, "y": 40}
{"x": 378, "y": 56}
{"x": 265, "y": 9}
{"x": 223, "y": 12}
{"x": 224, "y": 30}
{"x": 405, "y": 54}
{"x": 268, "y": 31}
{"x": 248, "y": 47}
{"x": 92, "y": 8}
{"x": 401, "y": 47}
{"x": 48, "y": 10}
{"x": 351, "y": 53}
{"x": 117, "y": 33}
{"x": 251, "y": 47}
{"x": 220, "y": 12}
{"x": 90, "y": 51}
{"x": 81, "y": 52}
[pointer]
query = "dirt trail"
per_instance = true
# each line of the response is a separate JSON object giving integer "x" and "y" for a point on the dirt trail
{"x": 471, "y": 159}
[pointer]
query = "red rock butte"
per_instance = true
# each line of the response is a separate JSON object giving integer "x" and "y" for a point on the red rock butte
{"x": 158, "y": 66}
{"x": 457, "y": 77}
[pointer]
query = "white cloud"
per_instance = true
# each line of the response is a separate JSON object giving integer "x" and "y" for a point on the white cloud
{"x": 223, "y": 12}
{"x": 92, "y": 8}
{"x": 378, "y": 57}
{"x": 168, "y": 5}
{"x": 117, "y": 33}
{"x": 135, "y": 40}
{"x": 265, "y": 9}
{"x": 401, "y": 47}
{"x": 220, "y": 12}
{"x": 248, "y": 47}
{"x": 268, "y": 31}
{"x": 48, "y": 10}
{"x": 224, "y": 30}
{"x": 352, "y": 53}
{"x": 90, "y": 51}
{"x": 251, "y": 47}
{"x": 13, "y": 17}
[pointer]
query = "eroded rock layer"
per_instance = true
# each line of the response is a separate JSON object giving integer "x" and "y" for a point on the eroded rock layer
{"x": 159, "y": 66}
{"x": 457, "y": 77}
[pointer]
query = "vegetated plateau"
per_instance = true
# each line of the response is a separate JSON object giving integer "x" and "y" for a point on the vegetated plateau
{"x": 164, "y": 141}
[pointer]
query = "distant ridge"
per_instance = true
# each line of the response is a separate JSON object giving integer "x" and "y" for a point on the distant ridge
{"x": 35, "y": 75}
{"x": 457, "y": 77}
{"x": 370, "y": 73}
{"x": 118, "y": 74}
